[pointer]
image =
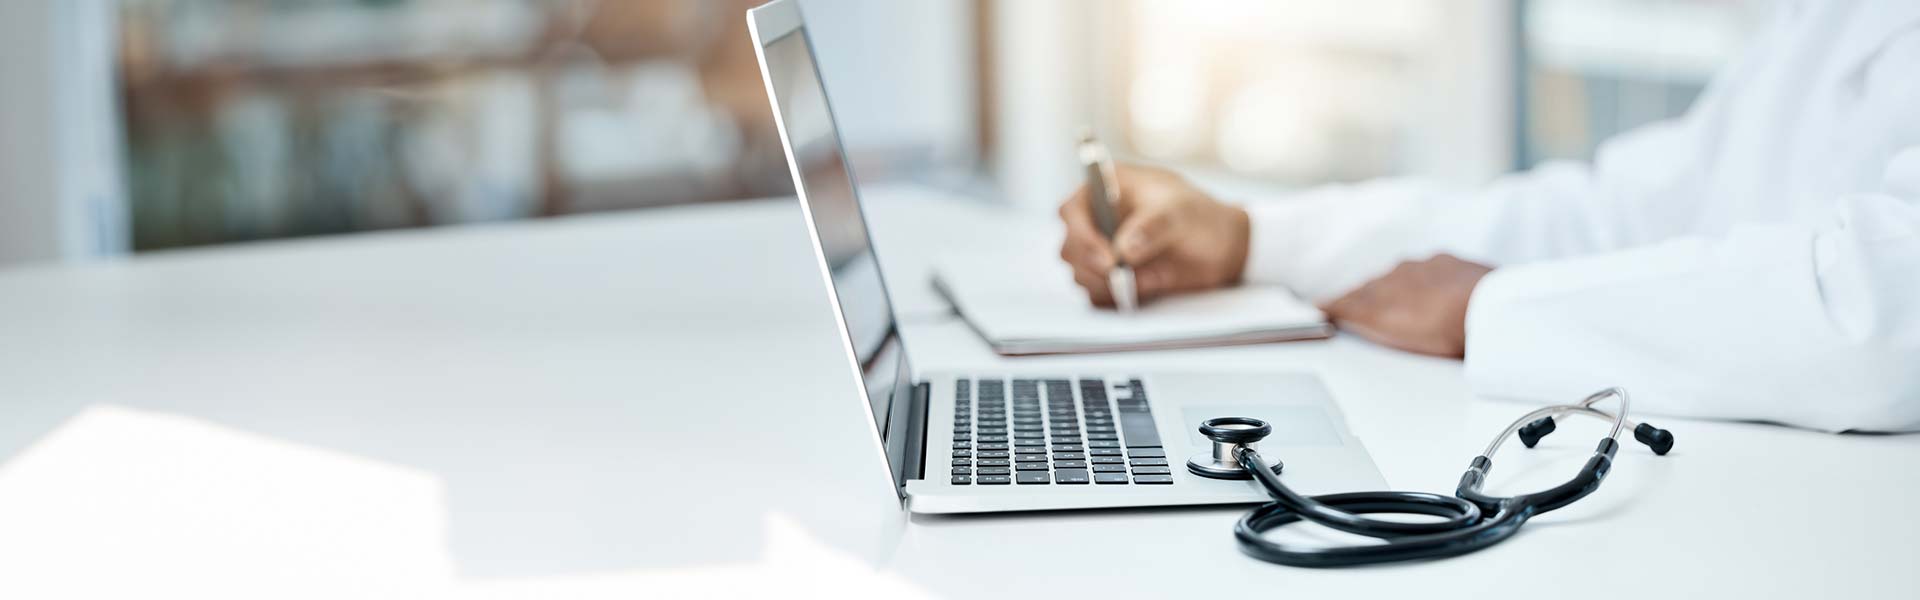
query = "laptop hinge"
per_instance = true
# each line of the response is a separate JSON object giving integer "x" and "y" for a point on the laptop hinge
{"x": 917, "y": 431}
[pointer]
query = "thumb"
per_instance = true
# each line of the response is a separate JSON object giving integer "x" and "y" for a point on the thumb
{"x": 1146, "y": 234}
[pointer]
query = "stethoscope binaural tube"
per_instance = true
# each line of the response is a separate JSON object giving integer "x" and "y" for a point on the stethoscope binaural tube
{"x": 1468, "y": 521}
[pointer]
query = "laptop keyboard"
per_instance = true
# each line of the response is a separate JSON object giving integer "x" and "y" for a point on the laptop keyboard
{"x": 1040, "y": 432}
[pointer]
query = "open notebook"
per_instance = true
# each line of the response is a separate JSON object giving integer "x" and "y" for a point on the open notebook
{"x": 1024, "y": 305}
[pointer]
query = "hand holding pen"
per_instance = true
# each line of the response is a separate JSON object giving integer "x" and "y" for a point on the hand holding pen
{"x": 1173, "y": 236}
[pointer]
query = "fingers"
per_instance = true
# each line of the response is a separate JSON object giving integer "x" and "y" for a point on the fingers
{"x": 1096, "y": 286}
{"x": 1362, "y": 313}
{"x": 1356, "y": 306}
{"x": 1084, "y": 247}
{"x": 1398, "y": 310}
{"x": 1086, "y": 251}
{"x": 1146, "y": 234}
{"x": 1163, "y": 278}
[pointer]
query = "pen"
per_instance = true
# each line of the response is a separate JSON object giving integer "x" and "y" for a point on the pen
{"x": 1103, "y": 190}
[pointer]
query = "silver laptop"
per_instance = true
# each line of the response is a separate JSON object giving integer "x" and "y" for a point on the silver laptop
{"x": 1011, "y": 441}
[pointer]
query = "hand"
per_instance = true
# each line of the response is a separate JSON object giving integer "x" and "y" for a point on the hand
{"x": 1419, "y": 307}
{"x": 1176, "y": 237}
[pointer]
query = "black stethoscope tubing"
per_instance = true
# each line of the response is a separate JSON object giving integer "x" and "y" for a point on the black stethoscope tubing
{"x": 1469, "y": 521}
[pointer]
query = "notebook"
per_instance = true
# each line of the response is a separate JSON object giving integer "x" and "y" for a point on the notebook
{"x": 1023, "y": 305}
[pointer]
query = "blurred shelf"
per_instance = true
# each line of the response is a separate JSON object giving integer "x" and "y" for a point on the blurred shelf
{"x": 1646, "y": 40}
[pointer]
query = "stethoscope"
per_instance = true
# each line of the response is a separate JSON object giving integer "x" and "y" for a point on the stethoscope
{"x": 1464, "y": 524}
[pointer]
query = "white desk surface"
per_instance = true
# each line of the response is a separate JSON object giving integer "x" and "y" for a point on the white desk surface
{"x": 652, "y": 404}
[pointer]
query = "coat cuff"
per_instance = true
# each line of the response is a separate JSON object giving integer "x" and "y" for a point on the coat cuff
{"x": 1326, "y": 242}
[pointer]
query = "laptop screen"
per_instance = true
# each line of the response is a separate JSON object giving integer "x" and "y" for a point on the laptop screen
{"x": 826, "y": 189}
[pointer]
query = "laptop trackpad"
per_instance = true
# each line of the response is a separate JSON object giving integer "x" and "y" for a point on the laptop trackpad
{"x": 1293, "y": 425}
{"x": 1320, "y": 456}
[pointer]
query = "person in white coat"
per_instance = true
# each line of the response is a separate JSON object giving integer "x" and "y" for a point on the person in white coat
{"x": 1756, "y": 259}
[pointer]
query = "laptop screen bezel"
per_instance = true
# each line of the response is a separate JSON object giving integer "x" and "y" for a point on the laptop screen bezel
{"x": 769, "y": 24}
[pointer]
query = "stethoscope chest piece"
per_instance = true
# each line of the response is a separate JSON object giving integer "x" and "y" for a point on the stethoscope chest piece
{"x": 1228, "y": 435}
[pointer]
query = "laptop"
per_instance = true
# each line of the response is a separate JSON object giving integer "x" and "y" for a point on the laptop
{"x": 1021, "y": 440}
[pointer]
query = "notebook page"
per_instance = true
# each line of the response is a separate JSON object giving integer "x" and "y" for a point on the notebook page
{"x": 1022, "y": 299}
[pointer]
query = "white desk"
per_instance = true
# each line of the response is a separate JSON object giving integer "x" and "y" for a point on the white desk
{"x": 573, "y": 407}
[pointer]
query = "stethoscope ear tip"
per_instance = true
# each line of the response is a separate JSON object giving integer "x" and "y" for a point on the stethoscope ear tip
{"x": 1532, "y": 432}
{"x": 1657, "y": 439}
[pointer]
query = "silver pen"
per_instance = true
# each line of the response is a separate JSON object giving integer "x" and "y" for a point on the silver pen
{"x": 1103, "y": 196}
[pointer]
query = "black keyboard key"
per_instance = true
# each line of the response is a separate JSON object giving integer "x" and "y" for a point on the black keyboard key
{"x": 1068, "y": 448}
{"x": 1093, "y": 389}
{"x": 1069, "y": 464}
{"x": 1072, "y": 476}
{"x": 1151, "y": 470}
{"x": 1028, "y": 435}
{"x": 1100, "y": 429}
{"x": 1030, "y": 466}
{"x": 1041, "y": 443}
{"x": 1107, "y": 478}
{"x": 1069, "y": 456}
{"x": 995, "y": 480}
{"x": 1103, "y": 444}
{"x": 1105, "y": 437}
{"x": 1034, "y": 477}
{"x": 962, "y": 445}
{"x": 992, "y": 438}
{"x": 991, "y": 431}
{"x": 1146, "y": 453}
{"x": 1139, "y": 430}
{"x": 1030, "y": 458}
{"x": 961, "y": 480}
{"x": 1030, "y": 450}
{"x": 961, "y": 462}
{"x": 991, "y": 454}
{"x": 963, "y": 470}
{"x": 962, "y": 453}
{"x": 1148, "y": 462}
{"x": 995, "y": 471}
{"x": 1115, "y": 452}
{"x": 993, "y": 446}
{"x": 1109, "y": 468}
{"x": 1153, "y": 479}
{"x": 1001, "y": 462}
{"x": 1108, "y": 460}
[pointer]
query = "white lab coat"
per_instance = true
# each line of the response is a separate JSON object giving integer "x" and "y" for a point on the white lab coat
{"x": 1756, "y": 259}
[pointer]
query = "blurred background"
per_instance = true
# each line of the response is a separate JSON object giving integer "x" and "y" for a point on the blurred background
{"x": 140, "y": 125}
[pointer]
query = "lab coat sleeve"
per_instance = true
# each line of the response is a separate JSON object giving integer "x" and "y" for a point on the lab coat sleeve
{"x": 1777, "y": 323}
{"x": 1638, "y": 190}
{"x": 1327, "y": 241}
